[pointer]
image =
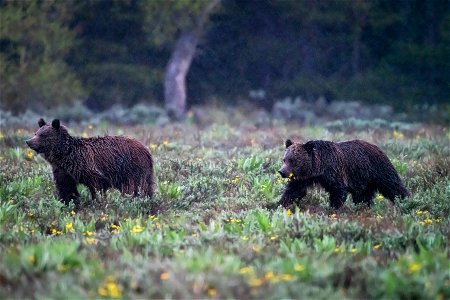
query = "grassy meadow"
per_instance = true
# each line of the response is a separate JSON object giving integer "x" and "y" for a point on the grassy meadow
{"x": 212, "y": 230}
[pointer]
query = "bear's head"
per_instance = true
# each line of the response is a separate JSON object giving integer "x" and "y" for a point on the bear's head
{"x": 49, "y": 139}
{"x": 299, "y": 161}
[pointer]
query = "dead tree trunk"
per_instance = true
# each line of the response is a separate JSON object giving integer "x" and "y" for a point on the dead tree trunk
{"x": 179, "y": 63}
{"x": 176, "y": 72}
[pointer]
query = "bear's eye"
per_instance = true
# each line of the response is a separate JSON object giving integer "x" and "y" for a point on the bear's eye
{"x": 44, "y": 134}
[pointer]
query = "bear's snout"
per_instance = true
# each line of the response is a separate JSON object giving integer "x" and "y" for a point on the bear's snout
{"x": 31, "y": 144}
{"x": 282, "y": 173}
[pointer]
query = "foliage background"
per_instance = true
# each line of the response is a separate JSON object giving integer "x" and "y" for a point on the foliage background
{"x": 112, "y": 52}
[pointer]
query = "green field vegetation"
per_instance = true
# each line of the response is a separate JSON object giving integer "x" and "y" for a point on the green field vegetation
{"x": 211, "y": 230}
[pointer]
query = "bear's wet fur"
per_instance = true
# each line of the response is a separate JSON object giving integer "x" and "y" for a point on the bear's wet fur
{"x": 99, "y": 163}
{"x": 356, "y": 167}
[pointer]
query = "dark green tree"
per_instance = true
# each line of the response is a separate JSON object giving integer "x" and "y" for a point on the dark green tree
{"x": 34, "y": 41}
{"x": 112, "y": 56}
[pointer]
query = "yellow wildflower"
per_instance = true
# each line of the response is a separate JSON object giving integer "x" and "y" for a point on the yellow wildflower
{"x": 31, "y": 259}
{"x": 337, "y": 249}
{"x": 110, "y": 289}
{"x": 333, "y": 217}
{"x": 88, "y": 233}
{"x": 299, "y": 268}
{"x": 137, "y": 229}
{"x": 288, "y": 212}
{"x": 55, "y": 232}
{"x": 115, "y": 228}
{"x": 235, "y": 180}
{"x": 69, "y": 227}
{"x": 414, "y": 267}
{"x": 90, "y": 240}
{"x": 269, "y": 275}
{"x": 256, "y": 248}
{"x": 62, "y": 268}
{"x": 286, "y": 277}
{"x": 255, "y": 282}
{"x": 84, "y": 135}
{"x": 376, "y": 246}
{"x": 153, "y": 146}
{"x": 245, "y": 270}
{"x": 397, "y": 134}
{"x": 280, "y": 181}
{"x": 212, "y": 292}
{"x": 164, "y": 276}
{"x": 273, "y": 237}
{"x": 165, "y": 142}
{"x": 244, "y": 238}
{"x": 353, "y": 250}
{"x": 90, "y": 127}
{"x": 72, "y": 213}
{"x": 380, "y": 197}
{"x": 30, "y": 154}
{"x": 428, "y": 221}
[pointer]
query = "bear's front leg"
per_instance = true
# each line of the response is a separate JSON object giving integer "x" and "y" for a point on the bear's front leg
{"x": 295, "y": 189}
{"x": 66, "y": 186}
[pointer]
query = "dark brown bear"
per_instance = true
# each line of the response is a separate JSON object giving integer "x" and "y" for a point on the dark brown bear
{"x": 354, "y": 167}
{"x": 99, "y": 163}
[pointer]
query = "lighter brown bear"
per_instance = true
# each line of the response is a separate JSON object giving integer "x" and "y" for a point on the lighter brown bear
{"x": 99, "y": 163}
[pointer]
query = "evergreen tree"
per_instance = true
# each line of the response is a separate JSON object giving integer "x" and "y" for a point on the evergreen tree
{"x": 34, "y": 41}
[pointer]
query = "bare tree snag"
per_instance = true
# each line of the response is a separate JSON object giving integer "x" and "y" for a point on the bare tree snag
{"x": 179, "y": 63}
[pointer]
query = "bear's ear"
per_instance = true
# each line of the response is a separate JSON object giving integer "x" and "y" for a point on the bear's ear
{"x": 41, "y": 122}
{"x": 309, "y": 147}
{"x": 55, "y": 124}
{"x": 288, "y": 143}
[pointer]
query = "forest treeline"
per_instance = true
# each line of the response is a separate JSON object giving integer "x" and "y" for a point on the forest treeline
{"x": 115, "y": 52}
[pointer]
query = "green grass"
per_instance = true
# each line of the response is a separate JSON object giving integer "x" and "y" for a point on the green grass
{"x": 209, "y": 231}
